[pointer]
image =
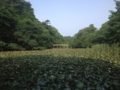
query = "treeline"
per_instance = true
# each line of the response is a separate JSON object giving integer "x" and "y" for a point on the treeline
{"x": 21, "y": 30}
{"x": 109, "y": 33}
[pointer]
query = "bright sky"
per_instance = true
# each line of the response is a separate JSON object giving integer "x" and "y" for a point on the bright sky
{"x": 69, "y": 16}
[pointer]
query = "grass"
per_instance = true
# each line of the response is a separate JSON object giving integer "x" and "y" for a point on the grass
{"x": 95, "y": 53}
{"x": 97, "y": 68}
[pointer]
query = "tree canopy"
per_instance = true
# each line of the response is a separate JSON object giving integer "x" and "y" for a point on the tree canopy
{"x": 109, "y": 32}
{"x": 21, "y": 30}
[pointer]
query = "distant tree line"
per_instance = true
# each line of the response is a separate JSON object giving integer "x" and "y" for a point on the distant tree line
{"x": 109, "y": 33}
{"x": 21, "y": 30}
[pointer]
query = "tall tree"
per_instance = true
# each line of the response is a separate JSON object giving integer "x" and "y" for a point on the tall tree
{"x": 114, "y": 23}
{"x": 84, "y": 37}
{"x": 101, "y": 35}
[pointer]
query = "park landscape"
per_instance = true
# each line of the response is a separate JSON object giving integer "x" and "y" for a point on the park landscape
{"x": 28, "y": 60}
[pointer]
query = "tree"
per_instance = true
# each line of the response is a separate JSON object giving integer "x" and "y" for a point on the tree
{"x": 67, "y": 39}
{"x": 101, "y": 35}
{"x": 114, "y": 23}
{"x": 20, "y": 30}
{"x": 84, "y": 37}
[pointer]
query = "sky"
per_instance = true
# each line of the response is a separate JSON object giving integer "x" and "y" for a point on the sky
{"x": 70, "y": 16}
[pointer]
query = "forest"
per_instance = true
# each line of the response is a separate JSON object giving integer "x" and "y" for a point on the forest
{"x": 21, "y": 30}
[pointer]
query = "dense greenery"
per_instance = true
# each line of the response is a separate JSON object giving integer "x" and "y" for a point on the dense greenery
{"x": 109, "y": 32}
{"x": 67, "y": 39}
{"x": 97, "y": 67}
{"x": 60, "y": 69}
{"x": 84, "y": 37}
{"x": 20, "y": 30}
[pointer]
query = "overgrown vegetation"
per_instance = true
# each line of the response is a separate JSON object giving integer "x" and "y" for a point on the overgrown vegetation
{"x": 61, "y": 69}
{"x": 97, "y": 66}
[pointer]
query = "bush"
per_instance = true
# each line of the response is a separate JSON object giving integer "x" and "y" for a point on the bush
{"x": 2, "y": 45}
{"x": 37, "y": 72}
{"x": 14, "y": 46}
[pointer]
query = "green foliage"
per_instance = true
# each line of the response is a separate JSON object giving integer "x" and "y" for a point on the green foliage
{"x": 58, "y": 70}
{"x": 84, "y": 37}
{"x": 2, "y": 45}
{"x": 114, "y": 23}
{"x": 113, "y": 49}
{"x": 52, "y": 36}
{"x": 19, "y": 25}
{"x": 110, "y": 31}
{"x": 67, "y": 39}
{"x": 101, "y": 35}
{"x": 14, "y": 46}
